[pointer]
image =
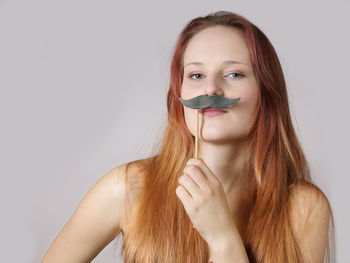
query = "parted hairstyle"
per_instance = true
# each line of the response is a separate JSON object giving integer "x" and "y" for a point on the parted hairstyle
{"x": 160, "y": 231}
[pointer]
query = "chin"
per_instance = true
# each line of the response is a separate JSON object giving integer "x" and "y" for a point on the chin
{"x": 215, "y": 138}
{"x": 217, "y": 141}
{"x": 220, "y": 138}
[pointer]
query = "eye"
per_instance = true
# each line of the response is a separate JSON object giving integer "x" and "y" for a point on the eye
{"x": 195, "y": 74}
{"x": 238, "y": 75}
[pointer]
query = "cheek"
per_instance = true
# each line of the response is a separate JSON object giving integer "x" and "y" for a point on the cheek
{"x": 249, "y": 95}
{"x": 188, "y": 117}
{"x": 190, "y": 120}
{"x": 249, "y": 104}
{"x": 187, "y": 93}
{"x": 189, "y": 114}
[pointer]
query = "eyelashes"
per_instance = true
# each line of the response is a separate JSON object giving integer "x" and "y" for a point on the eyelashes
{"x": 238, "y": 74}
{"x": 190, "y": 76}
{"x": 196, "y": 74}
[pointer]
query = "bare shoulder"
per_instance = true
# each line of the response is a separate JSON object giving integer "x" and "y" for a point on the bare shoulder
{"x": 133, "y": 176}
{"x": 310, "y": 213}
{"x": 122, "y": 184}
{"x": 97, "y": 220}
{"x": 307, "y": 199}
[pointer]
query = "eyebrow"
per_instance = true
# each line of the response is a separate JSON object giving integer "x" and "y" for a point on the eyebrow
{"x": 225, "y": 62}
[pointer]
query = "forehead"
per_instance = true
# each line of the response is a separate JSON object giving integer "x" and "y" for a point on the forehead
{"x": 216, "y": 44}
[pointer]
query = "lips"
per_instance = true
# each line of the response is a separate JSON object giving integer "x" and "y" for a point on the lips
{"x": 212, "y": 109}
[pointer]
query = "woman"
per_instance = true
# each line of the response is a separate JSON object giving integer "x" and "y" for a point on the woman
{"x": 247, "y": 198}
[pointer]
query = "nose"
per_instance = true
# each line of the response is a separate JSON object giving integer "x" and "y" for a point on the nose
{"x": 213, "y": 88}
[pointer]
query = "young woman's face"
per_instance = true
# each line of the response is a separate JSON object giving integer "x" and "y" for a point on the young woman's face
{"x": 212, "y": 47}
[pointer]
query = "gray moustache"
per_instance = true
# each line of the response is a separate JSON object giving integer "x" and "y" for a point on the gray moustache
{"x": 215, "y": 101}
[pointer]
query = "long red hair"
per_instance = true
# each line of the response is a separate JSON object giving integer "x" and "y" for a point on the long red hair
{"x": 160, "y": 230}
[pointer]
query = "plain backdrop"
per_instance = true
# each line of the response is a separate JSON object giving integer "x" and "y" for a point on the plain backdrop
{"x": 83, "y": 89}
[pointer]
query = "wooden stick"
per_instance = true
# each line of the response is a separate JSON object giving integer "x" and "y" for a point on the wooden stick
{"x": 196, "y": 140}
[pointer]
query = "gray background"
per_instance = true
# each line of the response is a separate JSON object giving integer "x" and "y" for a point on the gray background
{"x": 68, "y": 70}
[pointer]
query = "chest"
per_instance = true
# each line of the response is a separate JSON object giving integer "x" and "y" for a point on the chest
{"x": 240, "y": 210}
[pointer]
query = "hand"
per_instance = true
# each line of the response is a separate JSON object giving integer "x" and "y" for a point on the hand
{"x": 204, "y": 200}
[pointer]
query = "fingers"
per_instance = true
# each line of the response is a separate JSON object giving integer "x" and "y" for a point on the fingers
{"x": 187, "y": 182}
{"x": 182, "y": 193}
{"x": 197, "y": 176}
{"x": 205, "y": 169}
{"x": 185, "y": 198}
{"x": 193, "y": 182}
